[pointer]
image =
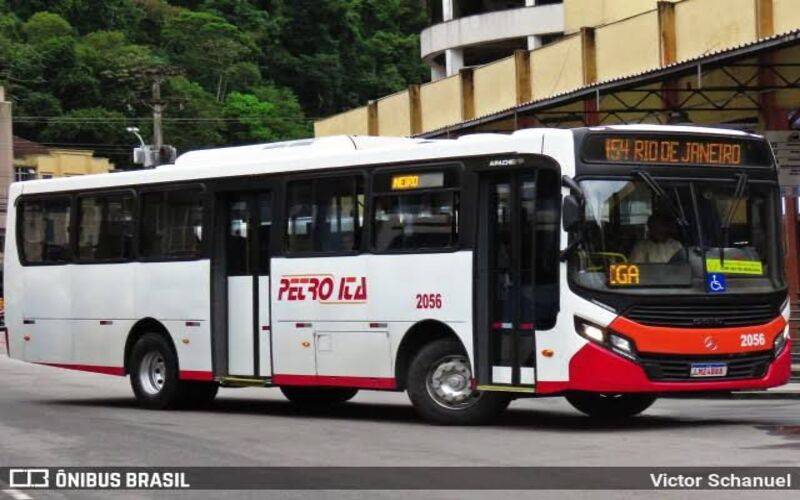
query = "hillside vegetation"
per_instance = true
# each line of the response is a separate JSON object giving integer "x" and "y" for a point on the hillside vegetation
{"x": 232, "y": 71}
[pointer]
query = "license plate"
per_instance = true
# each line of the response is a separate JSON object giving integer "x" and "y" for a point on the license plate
{"x": 708, "y": 370}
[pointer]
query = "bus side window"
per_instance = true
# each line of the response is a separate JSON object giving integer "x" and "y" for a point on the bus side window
{"x": 325, "y": 215}
{"x": 105, "y": 227}
{"x": 45, "y": 231}
{"x": 172, "y": 224}
{"x": 415, "y": 221}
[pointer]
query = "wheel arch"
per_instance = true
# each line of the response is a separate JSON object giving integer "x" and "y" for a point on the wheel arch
{"x": 140, "y": 328}
{"x": 415, "y": 338}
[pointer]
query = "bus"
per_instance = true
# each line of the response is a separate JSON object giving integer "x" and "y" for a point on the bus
{"x": 608, "y": 265}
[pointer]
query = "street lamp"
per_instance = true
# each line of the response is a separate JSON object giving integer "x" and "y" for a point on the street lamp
{"x": 135, "y": 131}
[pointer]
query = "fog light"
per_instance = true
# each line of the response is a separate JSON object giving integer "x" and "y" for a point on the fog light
{"x": 780, "y": 341}
{"x": 620, "y": 343}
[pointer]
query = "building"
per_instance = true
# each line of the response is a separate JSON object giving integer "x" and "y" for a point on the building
{"x": 35, "y": 161}
{"x": 711, "y": 62}
{"x": 474, "y": 32}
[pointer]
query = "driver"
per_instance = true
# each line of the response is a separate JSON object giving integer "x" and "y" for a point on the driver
{"x": 659, "y": 247}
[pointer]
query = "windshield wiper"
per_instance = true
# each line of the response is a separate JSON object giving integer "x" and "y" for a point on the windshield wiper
{"x": 676, "y": 210}
{"x": 738, "y": 196}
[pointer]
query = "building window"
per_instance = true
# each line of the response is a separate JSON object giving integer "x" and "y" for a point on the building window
{"x": 105, "y": 227}
{"x": 325, "y": 215}
{"x": 24, "y": 174}
{"x": 45, "y": 230}
{"x": 172, "y": 224}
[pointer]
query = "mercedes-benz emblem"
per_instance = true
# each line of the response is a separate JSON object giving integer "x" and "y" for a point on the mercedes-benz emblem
{"x": 710, "y": 343}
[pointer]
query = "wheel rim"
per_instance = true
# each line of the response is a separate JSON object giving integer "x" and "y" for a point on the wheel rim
{"x": 449, "y": 383}
{"x": 152, "y": 373}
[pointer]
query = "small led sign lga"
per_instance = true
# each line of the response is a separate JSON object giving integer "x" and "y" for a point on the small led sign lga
{"x": 623, "y": 275}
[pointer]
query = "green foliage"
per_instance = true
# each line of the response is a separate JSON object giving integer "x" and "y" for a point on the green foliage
{"x": 232, "y": 71}
{"x": 269, "y": 114}
{"x": 42, "y": 27}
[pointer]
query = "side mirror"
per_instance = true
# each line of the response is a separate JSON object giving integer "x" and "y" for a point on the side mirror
{"x": 572, "y": 212}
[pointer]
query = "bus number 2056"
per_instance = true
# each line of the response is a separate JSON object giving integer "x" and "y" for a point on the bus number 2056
{"x": 429, "y": 301}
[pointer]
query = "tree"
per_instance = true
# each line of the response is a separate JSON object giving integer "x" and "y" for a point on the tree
{"x": 206, "y": 45}
{"x": 31, "y": 110}
{"x": 99, "y": 128}
{"x": 269, "y": 114}
{"x": 44, "y": 26}
{"x": 194, "y": 115}
{"x": 247, "y": 70}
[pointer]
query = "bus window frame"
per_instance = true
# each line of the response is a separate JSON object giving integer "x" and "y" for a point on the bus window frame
{"x": 458, "y": 189}
{"x": 615, "y": 296}
{"x": 283, "y": 184}
{"x": 20, "y": 206}
{"x": 203, "y": 252}
{"x": 75, "y": 226}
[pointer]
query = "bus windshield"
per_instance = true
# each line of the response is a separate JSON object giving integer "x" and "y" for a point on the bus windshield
{"x": 644, "y": 233}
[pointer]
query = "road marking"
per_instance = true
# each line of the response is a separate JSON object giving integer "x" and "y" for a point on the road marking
{"x": 17, "y": 495}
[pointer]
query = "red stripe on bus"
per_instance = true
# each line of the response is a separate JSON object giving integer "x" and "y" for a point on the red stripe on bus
{"x": 196, "y": 375}
{"x": 328, "y": 381}
{"x": 107, "y": 370}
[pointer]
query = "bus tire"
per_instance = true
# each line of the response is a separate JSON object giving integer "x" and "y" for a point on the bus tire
{"x": 318, "y": 397}
{"x": 154, "y": 373}
{"x": 439, "y": 386}
{"x": 607, "y": 406}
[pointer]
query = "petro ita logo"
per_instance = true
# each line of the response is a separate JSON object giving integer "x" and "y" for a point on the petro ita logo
{"x": 323, "y": 288}
{"x": 710, "y": 343}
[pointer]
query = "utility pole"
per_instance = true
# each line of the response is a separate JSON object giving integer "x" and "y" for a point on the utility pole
{"x": 158, "y": 111}
{"x": 157, "y": 153}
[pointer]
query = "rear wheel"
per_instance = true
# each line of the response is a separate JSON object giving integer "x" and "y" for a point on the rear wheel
{"x": 440, "y": 387}
{"x": 318, "y": 397}
{"x": 610, "y": 405}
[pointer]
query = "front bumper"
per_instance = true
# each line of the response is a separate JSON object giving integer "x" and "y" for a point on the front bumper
{"x": 596, "y": 369}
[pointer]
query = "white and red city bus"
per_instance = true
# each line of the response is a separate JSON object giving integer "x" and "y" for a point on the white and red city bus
{"x": 607, "y": 265}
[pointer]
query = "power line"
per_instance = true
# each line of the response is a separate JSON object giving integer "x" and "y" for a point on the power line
{"x": 67, "y": 119}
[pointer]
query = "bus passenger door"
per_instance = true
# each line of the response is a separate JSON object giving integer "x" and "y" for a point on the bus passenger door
{"x": 248, "y": 218}
{"x": 506, "y": 270}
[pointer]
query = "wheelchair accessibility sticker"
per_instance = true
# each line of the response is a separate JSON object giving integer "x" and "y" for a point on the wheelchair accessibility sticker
{"x": 716, "y": 283}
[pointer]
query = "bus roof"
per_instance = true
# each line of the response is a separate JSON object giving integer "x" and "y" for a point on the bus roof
{"x": 292, "y": 156}
{"x": 328, "y": 152}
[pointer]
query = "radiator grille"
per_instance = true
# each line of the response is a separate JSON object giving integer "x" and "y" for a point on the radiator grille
{"x": 701, "y": 315}
{"x": 673, "y": 368}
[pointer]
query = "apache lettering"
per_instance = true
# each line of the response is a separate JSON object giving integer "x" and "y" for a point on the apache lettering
{"x": 323, "y": 288}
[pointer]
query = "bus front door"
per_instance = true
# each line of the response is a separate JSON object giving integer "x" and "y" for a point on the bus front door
{"x": 505, "y": 315}
{"x": 245, "y": 250}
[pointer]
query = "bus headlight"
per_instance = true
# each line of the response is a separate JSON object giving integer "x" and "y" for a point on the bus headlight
{"x": 781, "y": 341}
{"x": 608, "y": 339}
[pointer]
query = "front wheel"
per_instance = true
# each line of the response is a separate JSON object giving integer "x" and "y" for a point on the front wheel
{"x": 609, "y": 406}
{"x": 440, "y": 387}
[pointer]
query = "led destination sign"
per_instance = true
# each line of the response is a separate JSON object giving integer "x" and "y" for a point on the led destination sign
{"x": 674, "y": 150}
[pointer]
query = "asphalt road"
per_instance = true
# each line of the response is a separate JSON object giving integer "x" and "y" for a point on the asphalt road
{"x": 55, "y": 417}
